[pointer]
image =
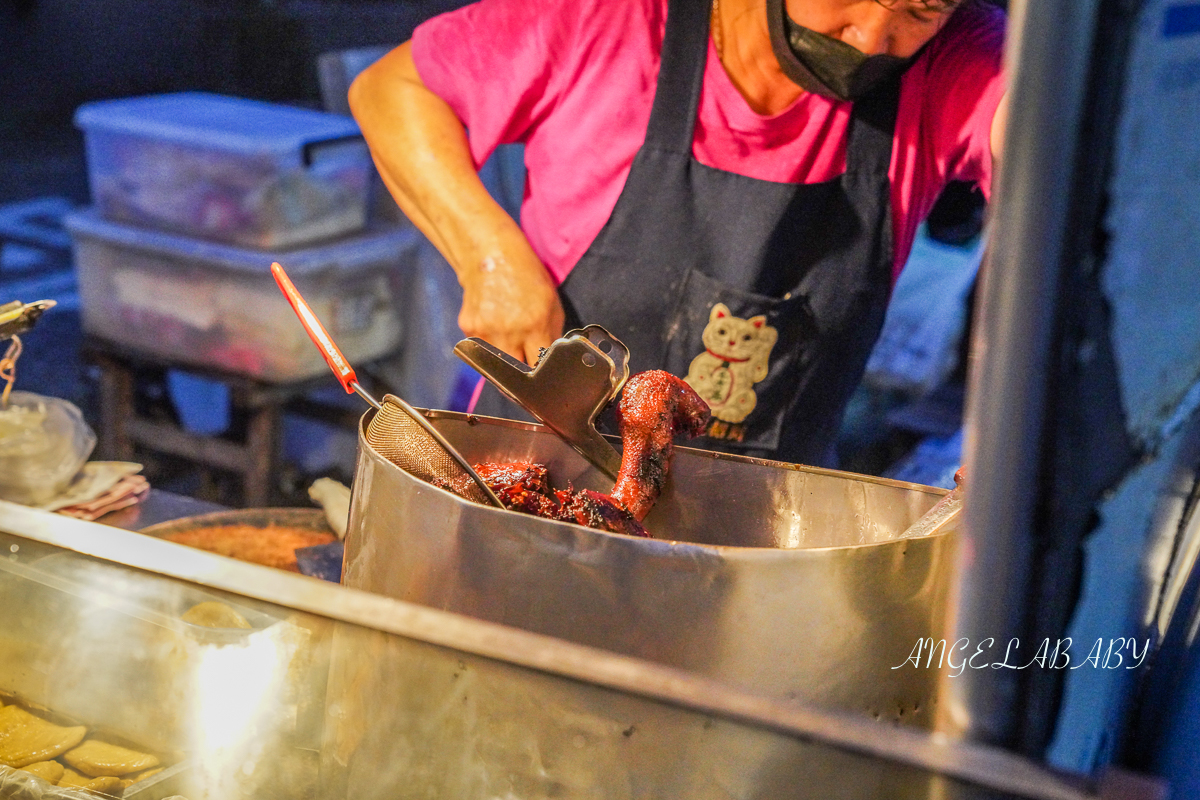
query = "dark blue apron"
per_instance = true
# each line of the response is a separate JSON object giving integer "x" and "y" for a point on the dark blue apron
{"x": 812, "y": 262}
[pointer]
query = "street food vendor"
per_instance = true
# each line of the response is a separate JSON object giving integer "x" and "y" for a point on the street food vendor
{"x": 729, "y": 186}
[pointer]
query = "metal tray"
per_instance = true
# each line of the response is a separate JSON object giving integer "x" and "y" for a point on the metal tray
{"x": 157, "y": 787}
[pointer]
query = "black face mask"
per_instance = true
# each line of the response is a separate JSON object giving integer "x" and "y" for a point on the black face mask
{"x": 823, "y": 65}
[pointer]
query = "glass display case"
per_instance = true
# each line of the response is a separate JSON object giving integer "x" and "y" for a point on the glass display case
{"x": 247, "y": 682}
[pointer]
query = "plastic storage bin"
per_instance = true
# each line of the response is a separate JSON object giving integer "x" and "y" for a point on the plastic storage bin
{"x": 207, "y": 304}
{"x": 226, "y": 168}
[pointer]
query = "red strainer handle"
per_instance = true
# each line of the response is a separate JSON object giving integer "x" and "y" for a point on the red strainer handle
{"x": 316, "y": 331}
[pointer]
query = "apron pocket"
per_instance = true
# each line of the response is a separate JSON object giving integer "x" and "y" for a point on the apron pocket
{"x": 744, "y": 353}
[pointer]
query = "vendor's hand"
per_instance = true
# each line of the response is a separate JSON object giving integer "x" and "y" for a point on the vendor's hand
{"x": 512, "y": 304}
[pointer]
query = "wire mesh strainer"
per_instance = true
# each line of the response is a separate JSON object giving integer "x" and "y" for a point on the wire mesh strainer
{"x": 403, "y": 436}
{"x": 398, "y": 432}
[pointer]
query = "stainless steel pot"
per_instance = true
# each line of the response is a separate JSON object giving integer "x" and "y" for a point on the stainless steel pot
{"x": 783, "y": 579}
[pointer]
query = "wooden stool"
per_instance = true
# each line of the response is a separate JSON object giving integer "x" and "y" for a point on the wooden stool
{"x": 255, "y": 459}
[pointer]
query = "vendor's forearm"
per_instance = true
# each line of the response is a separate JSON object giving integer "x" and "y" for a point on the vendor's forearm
{"x": 421, "y": 150}
{"x": 999, "y": 124}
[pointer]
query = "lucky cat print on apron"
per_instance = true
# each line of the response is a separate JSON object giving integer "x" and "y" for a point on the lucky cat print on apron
{"x": 735, "y": 357}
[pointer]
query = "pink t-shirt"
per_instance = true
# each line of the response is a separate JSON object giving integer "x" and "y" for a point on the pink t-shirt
{"x": 574, "y": 81}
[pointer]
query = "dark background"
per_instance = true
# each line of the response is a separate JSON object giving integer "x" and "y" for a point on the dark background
{"x": 56, "y": 54}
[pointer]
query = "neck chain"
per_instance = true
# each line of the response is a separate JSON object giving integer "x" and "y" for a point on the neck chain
{"x": 715, "y": 24}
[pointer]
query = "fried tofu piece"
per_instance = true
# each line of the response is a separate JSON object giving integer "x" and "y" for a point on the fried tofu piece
{"x": 49, "y": 771}
{"x": 72, "y": 779}
{"x": 113, "y": 787}
{"x": 96, "y": 759}
{"x": 104, "y": 785}
{"x": 214, "y": 615}
{"x": 141, "y": 776}
{"x": 26, "y": 739}
{"x": 130, "y": 780}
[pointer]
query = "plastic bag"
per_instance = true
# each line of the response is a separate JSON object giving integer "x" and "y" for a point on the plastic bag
{"x": 43, "y": 443}
{"x": 17, "y": 784}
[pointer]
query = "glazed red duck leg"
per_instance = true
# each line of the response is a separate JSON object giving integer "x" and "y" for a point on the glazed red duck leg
{"x": 525, "y": 487}
{"x": 655, "y": 407}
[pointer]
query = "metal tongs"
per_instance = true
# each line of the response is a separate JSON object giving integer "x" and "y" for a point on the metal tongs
{"x": 17, "y": 317}
{"x": 575, "y": 378}
{"x": 944, "y": 511}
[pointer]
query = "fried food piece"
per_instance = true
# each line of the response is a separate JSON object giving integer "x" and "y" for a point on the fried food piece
{"x": 26, "y": 739}
{"x": 599, "y": 511}
{"x": 141, "y": 776}
{"x": 525, "y": 487}
{"x": 113, "y": 787}
{"x": 529, "y": 476}
{"x": 520, "y": 486}
{"x": 49, "y": 771}
{"x": 73, "y": 779}
{"x": 214, "y": 615}
{"x": 104, "y": 785}
{"x": 655, "y": 406}
{"x": 96, "y": 759}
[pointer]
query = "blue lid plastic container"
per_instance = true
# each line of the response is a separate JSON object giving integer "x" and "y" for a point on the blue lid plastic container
{"x": 226, "y": 168}
{"x": 232, "y": 124}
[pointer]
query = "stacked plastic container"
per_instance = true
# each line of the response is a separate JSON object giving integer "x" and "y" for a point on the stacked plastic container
{"x": 194, "y": 196}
